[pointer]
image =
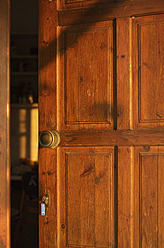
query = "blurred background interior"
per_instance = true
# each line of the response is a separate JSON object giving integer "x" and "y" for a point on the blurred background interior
{"x": 24, "y": 123}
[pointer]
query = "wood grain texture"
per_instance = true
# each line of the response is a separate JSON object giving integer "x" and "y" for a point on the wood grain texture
{"x": 47, "y": 175}
{"x": 126, "y": 197}
{"x": 112, "y": 138}
{"x": 124, "y": 80}
{"x": 96, "y": 201}
{"x": 69, "y": 4}
{"x": 115, "y": 9}
{"x": 4, "y": 125}
{"x": 148, "y": 83}
{"x": 85, "y": 83}
{"x": 140, "y": 195}
{"x": 148, "y": 194}
{"x": 86, "y": 197}
{"x": 47, "y": 120}
{"x": 47, "y": 63}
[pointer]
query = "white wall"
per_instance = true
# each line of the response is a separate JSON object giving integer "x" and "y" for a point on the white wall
{"x": 24, "y": 16}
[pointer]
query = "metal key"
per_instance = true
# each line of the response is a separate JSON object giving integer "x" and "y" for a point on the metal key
{"x": 43, "y": 209}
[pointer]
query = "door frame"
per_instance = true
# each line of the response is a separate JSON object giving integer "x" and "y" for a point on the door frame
{"x": 4, "y": 124}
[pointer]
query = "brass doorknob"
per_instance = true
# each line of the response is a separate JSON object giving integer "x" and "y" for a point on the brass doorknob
{"x": 49, "y": 139}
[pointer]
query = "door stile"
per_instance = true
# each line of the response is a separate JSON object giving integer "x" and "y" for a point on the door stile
{"x": 116, "y": 236}
{"x": 126, "y": 215}
{"x": 124, "y": 74}
{"x": 47, "y": 120}
{"x": 115, "y": 115}
{"x": 125, "y": 180}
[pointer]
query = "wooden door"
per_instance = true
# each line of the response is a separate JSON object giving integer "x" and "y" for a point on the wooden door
{"x": 101, "y": 87}
{"x": 4, "y": 125}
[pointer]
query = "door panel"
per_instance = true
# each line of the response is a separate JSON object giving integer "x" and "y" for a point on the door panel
{"x": 86, "y": 60}
{"x": 140, "y": 196}
{"x": 148, "y": 49}
{"x": 86, "y": 197}
{"x": 149, "y": 196}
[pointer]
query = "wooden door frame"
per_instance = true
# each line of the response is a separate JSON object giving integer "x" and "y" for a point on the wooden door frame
{"x": 4, "y": 124}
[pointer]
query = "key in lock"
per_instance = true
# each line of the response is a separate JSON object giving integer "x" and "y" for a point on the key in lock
{"x": 44, "y": 203}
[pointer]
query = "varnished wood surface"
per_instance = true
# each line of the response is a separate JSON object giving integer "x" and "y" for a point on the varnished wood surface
{"x": 47, "y": 120}
{"x": 124, "y": 73}
{"x": 86, "y": 199}
{"x": 140, "y": 196}
{"x": 4, "y": 125}
{"x": 85, "y": 102}
{"x": 91, "y": 160}
{"x": 125, "y": 196}
{"x": 148, "y": 91}
{"x": 112, "y": 138}
{"x": 96, "y": 12}
{"x": 148, "y": 197}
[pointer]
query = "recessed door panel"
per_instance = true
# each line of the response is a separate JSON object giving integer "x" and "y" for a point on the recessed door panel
{"x": 149, "y": 196}
{"x": 148, "y": 48}
{"x": 86, "y": 77}
{"x": 86, "y": 197}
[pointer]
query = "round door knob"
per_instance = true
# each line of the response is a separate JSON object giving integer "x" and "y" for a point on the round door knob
{"x": 49, "y": 139}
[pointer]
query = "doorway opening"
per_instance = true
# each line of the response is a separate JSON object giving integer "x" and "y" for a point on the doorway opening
{"x": 24, "y": 123}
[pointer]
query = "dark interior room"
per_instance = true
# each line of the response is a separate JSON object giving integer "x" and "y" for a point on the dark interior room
{"x": 24, "y": 123}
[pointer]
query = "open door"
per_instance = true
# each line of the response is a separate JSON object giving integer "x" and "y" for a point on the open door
{"x": 101, "y": 88}
{"x": 4, "y": 125}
